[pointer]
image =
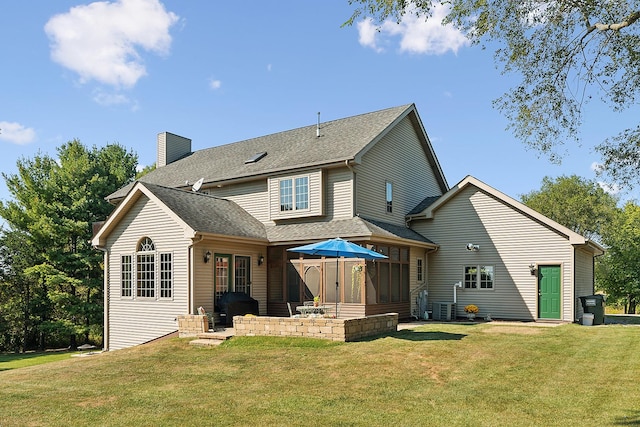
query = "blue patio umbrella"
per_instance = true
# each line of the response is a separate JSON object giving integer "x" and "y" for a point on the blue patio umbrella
{"x": 337, "y": 248}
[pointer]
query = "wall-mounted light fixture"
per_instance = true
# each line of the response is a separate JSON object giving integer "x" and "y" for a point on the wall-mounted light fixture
{"x": 532, "y": 269}
{"x": 260, "y": 259}
{"x": 207, "y": 257}
{"x": 473, "y": 247}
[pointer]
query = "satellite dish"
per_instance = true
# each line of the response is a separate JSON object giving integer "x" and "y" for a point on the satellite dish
{"x": 195, "y": 187}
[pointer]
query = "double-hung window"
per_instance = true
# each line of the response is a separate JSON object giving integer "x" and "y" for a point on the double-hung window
{"x": 478, "y": 277}
{"x": 294, "y": 193}
{"x": 126, "y": 276}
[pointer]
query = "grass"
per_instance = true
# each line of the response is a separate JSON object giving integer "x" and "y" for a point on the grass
{"x": 439, "y": 374}
{"x": 14, "y": 361}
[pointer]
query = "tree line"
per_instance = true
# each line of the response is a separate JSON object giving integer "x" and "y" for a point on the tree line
{"x": 51, "y": 279}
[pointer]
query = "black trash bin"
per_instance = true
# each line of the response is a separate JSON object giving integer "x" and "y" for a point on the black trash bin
{"x": 594, "y": 304}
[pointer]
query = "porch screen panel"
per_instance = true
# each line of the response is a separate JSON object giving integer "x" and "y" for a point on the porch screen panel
{"x": 371, "y": 282}
{"x": 353, "y": 285}
{"x": 293, "y": 283}
{"x": 395, "y": 282}
{"x": 330, "y": 280}
{"x": 383, "y": 281}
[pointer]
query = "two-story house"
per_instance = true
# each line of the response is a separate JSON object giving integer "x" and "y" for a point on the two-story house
{"x": 222, "y": 219}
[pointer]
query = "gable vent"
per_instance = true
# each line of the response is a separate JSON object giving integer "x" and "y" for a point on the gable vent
{"x": 255, "y": 158}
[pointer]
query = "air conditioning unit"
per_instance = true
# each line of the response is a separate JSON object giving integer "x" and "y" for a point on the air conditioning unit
{"x": 444, "y": 311}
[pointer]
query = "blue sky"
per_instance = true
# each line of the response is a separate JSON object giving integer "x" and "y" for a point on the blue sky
{"x": 219, "y": 72}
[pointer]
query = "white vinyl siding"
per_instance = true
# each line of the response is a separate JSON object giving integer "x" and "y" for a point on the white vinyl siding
{"x": 509, "y": 240}
{"x": 135, "y": 321}
{"x": 398, "y": 158}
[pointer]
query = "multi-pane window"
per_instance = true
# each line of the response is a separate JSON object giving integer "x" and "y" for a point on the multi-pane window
{"x": 389, "y": 196}
{"x": 146, "y": 275}
{"x": 419, "y": 275}
{"x": 166, "y": 275}
{"x": 146, "y": 271}
{"x": 126, "y": 276}
{"x": 286, "y": 195}
{"x": 243, "y": 274}
{"x": 478, "y": 277}
{"x": 294, "y": 190}
{"x": 302, "y": 193}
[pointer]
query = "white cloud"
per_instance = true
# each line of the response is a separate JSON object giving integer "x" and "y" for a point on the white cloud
{"x": 416, "y": 35}
{"x": 367, "y": 34}
{"x": 114, "y": 99}
{"x": 16, "y": 133}
{"x": 598, "y": 168}
{"x": 609, "y": 188}
{"x": 101, "y": 41}
{"x": 215, "y": 84}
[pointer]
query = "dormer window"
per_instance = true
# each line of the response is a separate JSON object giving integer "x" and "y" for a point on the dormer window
{"x": 294, "y": 194}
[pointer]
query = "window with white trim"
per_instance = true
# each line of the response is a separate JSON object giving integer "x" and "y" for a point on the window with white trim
{"x": 146, "y": 272}
{"x": 166, "y": 275}
{"x": 419, "y": 275}
{"x": 126, "y": 276}
{"x": 294, "y": 193}
{"x": 389, "y": 196}
{"x": 478, "y": 277}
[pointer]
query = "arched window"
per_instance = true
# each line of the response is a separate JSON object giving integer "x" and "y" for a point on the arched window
{"x": 146, "y": 269}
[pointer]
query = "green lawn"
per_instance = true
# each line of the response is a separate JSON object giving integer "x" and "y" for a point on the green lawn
{"x": 485, "y": 374}
{"x": 14, "y": 361}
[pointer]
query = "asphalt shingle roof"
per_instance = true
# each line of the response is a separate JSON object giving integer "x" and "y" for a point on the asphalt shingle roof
{"x": 339, "y": 140}
{"x": 208, "y": 214}
{"x": 428, "y": 201}
{"x": 346, "y": 228}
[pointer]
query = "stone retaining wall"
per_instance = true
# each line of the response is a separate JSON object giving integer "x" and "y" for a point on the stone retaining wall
{"x": 316, "y": 327}
{"x": 190, "y": 325}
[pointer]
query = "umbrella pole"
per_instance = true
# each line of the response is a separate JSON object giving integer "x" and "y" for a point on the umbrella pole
{"x": 337, "y": 276}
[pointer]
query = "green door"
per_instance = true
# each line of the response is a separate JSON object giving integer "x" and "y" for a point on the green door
{"x": 549, "y": 300}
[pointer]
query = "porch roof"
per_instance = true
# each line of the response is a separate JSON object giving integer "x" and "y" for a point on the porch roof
{"x": 354, "y": 229}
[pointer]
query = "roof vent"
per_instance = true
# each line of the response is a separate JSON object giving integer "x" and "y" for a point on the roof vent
{"x": 318, "y": 127}
{"x": 255, "y": 158}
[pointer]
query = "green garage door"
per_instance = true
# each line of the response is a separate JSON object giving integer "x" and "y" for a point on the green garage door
{"x": 550, "y": 301}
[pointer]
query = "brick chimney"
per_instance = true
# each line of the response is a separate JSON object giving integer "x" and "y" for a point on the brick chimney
{"x": 171, "y": 148}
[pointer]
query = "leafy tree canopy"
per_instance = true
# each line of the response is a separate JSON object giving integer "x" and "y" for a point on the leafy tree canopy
{"x": 566, "y": 51}
{"x": 578, "y": 204}
{"x": 618, "y": 272}
{"x": 54, "y": 203}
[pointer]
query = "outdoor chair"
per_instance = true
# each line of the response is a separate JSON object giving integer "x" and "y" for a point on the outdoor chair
{"x": 291, "y": 311}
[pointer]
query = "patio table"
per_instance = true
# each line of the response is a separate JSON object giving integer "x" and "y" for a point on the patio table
{"x": 309, "y": 310}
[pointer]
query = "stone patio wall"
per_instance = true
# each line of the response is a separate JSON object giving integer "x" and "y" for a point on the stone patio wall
{"x": 190, "y": 325}
{"x": 316, "y": 327}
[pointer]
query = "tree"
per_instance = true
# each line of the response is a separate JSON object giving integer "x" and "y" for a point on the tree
{"x": 55, "y": 202}
{"x": 578, "y": 204}
{"x": 618, "y": 273}
{"x": 566, "y": 51}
